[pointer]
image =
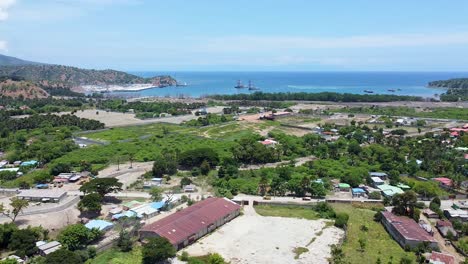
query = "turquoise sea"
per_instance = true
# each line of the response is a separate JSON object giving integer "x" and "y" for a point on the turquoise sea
{"x": 208, "y": 83}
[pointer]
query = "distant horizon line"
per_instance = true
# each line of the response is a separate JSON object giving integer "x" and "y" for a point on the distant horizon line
{"x": 293, "y": 71}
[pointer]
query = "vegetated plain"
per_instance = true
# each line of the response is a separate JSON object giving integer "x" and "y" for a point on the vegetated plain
{"x": 379, "y": 244}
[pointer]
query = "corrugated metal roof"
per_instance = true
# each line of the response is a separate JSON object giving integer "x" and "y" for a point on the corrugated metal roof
{"x": 191, "y": 220}
{"x": 407, "y": 227}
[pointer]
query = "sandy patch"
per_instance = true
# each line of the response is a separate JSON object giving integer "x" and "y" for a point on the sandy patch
{"x": 255, "y": 239}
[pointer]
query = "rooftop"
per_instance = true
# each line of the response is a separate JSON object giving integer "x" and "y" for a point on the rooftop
{"x": 389, "y": 190}
{"x": 42, "y": 193}
{"x": 407, "y": 227}
{"x": 378, "y": 174}
{"x": 437, "y": 257}
{"x": 444, "y": 181}
{"x": 377, "y": 180}
{"x": 180, "y": 225}
{"x": 99, "y": 224}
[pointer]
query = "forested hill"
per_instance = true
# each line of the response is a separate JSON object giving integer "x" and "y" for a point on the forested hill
{"x": 20, "y": 88}
{"x": 457, "y": 89}
{"x": 59, "y": 76}
{"x": 451, "y": 83}
{"x": 12, "y": 61}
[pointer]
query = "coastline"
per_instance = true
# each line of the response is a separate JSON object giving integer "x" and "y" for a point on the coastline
{"x": 119, "y": 88}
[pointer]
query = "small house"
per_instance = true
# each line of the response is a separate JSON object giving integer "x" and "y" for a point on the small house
{"x": 358, "y": 192}
{"x": 344, "y": 187}
{"x": 456, "y": 214}
{"x": 48, "y": 195}
{"x": 444, "y": 182}
{"x": 101, "y": 225}
{"x": 381, "y": 175}
{"x": 441, "y": 258}
{"x": 45, "y": 248}
{"x": 376, "y": 181}
{"x": 430, "y": 214}
{"x": 445, "y": 227}
{"x": 389, "y": 190}
{"x": 190, "y": 188}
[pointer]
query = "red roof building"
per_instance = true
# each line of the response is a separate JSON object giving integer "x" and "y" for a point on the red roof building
{"x": 437, "y": 257}
{"x": 466, "y": 156}
{"x": 406, "y": 231}
{"x": 186, "y": 226}
{"x": 444, "y": 182}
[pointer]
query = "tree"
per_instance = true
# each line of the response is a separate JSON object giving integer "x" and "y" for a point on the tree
{"x": 23, "y": 241}
{"x": 205, "y": 168}
{"x": 156, "y": 194}
{"x": 77, "y": 236}
{"x": 17, "y": 206}
{"x": 263, "y": 185}
{"x": 124, "y": 242}
{"x": 404, "y": 203}
{"x": 185, "y": 181}
{"x": 90, "y": 203}
{"x": 102, "y": 186}
{"x": 157, "y": 250}
{"x": 215, "y": 258}
{"x": 341, "y": 220}
{"x": 405, "y": 260}
{"x": 317, "y": 189}
{"x": 63, "y": 256}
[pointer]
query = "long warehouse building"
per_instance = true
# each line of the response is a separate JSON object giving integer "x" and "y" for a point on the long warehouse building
{"x": 186, "y": 226}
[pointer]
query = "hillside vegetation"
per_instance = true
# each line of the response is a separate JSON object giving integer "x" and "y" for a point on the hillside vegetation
{"x": 12, "y": 61}
{"x": 457, "y": 89}
{"x": 59, "y": 76}
{"x": 24, "y": 89}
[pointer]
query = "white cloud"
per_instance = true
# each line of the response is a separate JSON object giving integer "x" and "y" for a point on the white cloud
{"x": 4, "y": 6}
{"x": 3, "y": 45}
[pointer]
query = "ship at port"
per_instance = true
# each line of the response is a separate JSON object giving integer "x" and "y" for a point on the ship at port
{"x": 239, "y": 85}
{"x": 368, "y": 91}
{"x": 181, "y": 84}
{"x": 391, "y": 90}
{"x": 252, "y": 87}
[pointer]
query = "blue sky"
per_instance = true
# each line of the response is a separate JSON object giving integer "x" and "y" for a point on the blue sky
{"x": 358, "y": 35}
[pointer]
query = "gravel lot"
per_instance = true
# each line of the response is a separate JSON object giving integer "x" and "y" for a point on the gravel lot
{"x": 255, "y": 239}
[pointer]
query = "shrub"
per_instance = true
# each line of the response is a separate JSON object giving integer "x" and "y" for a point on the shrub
{"x": 341, "y": 220}
{"x": 324, "y": 210}
{"x": 375, "y": 195}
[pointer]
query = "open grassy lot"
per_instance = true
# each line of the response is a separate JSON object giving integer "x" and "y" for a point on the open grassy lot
{"x": 114, "y": 256}
{"x": 379, "y": 244}
{"x": 286, "y": 211}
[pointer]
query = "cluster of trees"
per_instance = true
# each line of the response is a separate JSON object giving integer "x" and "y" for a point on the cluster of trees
{"x": 209, "y": 119}
{"x": 38, "y": 121}
{"x": 150, "y": 109}
{"x": 21, "y": 241}
{"x": 94, "y": 191}
{"x": 325, "y": 96}
{"x": 39, "y": 105}
{"x": 443, "y": 112}
{"x": 457, "y": 89}
{"x": 248, "y": 150}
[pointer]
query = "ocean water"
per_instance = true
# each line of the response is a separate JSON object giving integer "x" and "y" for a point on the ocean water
{"x": 208, "y": 83}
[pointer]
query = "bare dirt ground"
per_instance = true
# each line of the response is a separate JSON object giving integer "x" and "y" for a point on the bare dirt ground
{"x": 53, "y": 221}
{"x": 256, "y": 239}
{"x": 116, "y": 119}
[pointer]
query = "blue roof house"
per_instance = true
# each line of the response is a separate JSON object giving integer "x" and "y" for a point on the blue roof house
{"x": 101, "y": 225}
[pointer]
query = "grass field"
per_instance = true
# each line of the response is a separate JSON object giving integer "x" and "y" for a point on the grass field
{"x": 114, "y": 256}
{"x": 286, "y": 211}
{"x": 379, "y": 244}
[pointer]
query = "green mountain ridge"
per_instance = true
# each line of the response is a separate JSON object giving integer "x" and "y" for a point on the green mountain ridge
{"x": 12, "y": 61}
{"x": 60, "y": 76}
{"x": 457, "y": 88}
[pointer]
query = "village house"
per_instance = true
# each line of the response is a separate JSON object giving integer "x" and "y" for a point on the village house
{"x": 47, "y": 195}
{"x": 45, "y": 248}
{"x": 186, "y": 226}
{"x": 381, "y": 175}
{"x": 406, "y": 231}
{"x": 445, "y": 183}
{"x": 445, "y": 227}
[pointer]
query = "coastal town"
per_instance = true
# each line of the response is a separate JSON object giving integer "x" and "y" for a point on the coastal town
{"x": 233, "y": 132}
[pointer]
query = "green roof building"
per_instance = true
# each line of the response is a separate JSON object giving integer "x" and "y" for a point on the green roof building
{"x": 389, "y": 190}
